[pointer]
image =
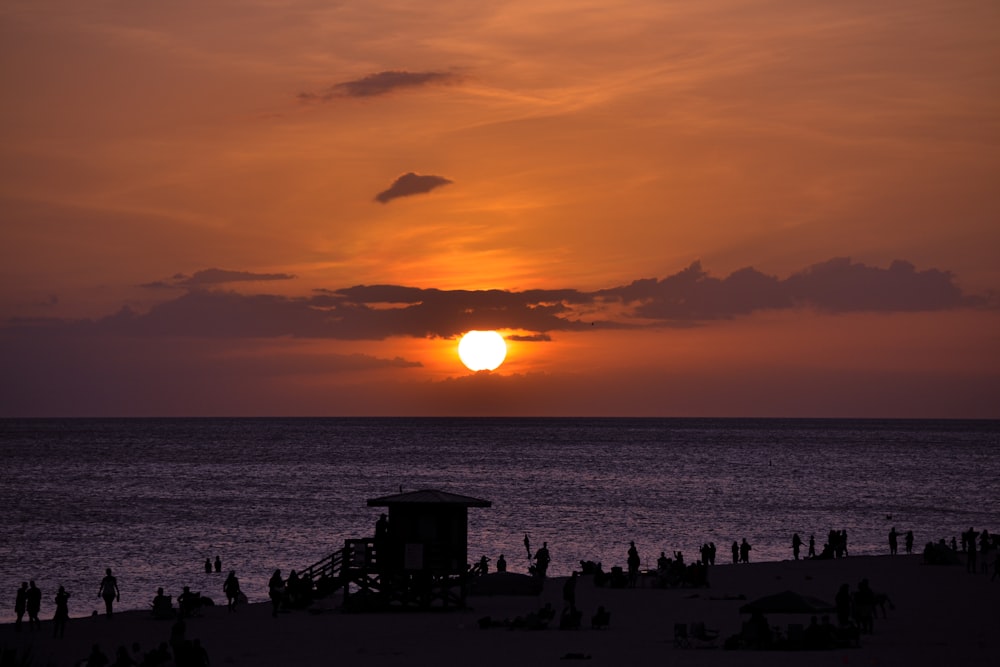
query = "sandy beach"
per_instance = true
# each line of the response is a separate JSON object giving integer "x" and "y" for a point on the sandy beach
{"x": 942, "y": 615}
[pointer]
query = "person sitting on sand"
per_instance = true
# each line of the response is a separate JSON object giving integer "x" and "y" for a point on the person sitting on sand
{"x": 163, "y": 607}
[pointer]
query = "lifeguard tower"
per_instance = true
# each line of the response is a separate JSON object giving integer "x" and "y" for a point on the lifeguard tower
{"x": 420, "y": 560}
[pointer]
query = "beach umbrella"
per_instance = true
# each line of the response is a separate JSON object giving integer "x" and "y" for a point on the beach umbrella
{"x": 787, "y": 602}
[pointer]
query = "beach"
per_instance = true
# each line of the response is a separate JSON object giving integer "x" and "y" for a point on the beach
{"x": 941, "y": 615}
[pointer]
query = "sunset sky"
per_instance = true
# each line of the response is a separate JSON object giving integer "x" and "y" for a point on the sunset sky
{"x": 668, "y": 208}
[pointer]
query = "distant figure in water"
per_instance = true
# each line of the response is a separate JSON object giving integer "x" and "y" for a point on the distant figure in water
{"x": 61, "y": 615}
{"x": 501, "y": 564}
{"x": 796, "y": 545}
{"x": 109, "y": 591}
{"x": 527, "y": 545}
{"x": 208, "y": 566}
{"x": 218, "y": 564}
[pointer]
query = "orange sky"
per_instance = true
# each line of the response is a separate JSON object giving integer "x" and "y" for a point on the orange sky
{"x": 806, "y": 193}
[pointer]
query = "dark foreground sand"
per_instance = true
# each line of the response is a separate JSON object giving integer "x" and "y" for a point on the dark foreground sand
{"x": 942, "y": 616}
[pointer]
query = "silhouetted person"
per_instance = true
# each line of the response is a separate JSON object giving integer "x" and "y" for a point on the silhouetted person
{"x": 843, "y": 542}
{"x": 569, "y": 591}
{"x": 633, "y": 564}
{"x": 969, "y": 544}
{"x": 711, "y": 553}
{"x": 275, "y": 590}
{"x": 501, "y": 564}
{"x": 34, "y": 605}
{"x": 812, "y": 546}
{"x": 20, "y": 604}
{"x": 109, "y": 591}
{"x": 218, "y": 564}
{"x": 484, "y": 565}
{"x": 796, "y": 545}
{"x": 909, "y": 541}
{"x": 96, "y": 657}
{"x": 231, "y": 587}
{"x": 162, "y": 606}
{"x": 662, "y": 563}
{"x": 864, "y": 607}
{"x": 208, "y": 566}
{"x": 527, "y": 545}
{"x": 62, "y": 613}
{"x": 745, "y": 551}
{"x": 736, "y": 552}
{"x": 542, "y": 560}
{"x": 187, "y": 602}
{"x": 842, "y": 602}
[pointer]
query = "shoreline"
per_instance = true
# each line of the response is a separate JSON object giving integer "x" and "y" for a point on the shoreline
{"x": 942, "y": 616}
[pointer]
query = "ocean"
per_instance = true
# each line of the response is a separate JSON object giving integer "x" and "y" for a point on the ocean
{"x": 153, "y": 498}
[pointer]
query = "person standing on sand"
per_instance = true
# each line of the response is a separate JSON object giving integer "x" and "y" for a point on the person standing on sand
{"x": 633, "y": 564}
{"x": 20, "y": 604}
{"x": 275, "y": 590}
{"x": 745, "y": 551}
{"x": 218, "y": 564}
{"x": 893, "y": 541}
{"x": 796, "y": 545}
{"x": 231, "y": 588}
{"x": 61, "y": 615}
{"x": 34, "y": 605}
{"x": 109, "y": 591}
{"x": 736, "y": 552}
{"x": 812, "y": 546}
{"x": 542, "y": 560}
{"x": 501, "y": 564}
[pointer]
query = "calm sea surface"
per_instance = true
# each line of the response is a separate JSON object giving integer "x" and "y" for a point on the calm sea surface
{"x": 152, "y": 498}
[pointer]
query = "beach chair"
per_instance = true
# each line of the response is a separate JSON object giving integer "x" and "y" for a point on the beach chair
{"x": 704, "y": 636}
{"x": 681, "y": 639}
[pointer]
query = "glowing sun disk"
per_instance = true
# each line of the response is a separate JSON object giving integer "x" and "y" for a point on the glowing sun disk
{"x": 482, "y": 350}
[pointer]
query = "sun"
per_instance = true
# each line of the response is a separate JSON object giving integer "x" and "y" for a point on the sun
{"x": 482, "y": 350}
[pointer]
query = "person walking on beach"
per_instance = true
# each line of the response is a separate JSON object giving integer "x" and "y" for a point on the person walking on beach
{"x": 796, "y": 545}
{"x": 231, "y": 588}
{"x": 34, "y": 605}
{"x": 109, "y": 591}
{"x": 275, "y": 590}
{"x": 633, "y": 564}
{"x": 542, "y": 560}
{"x": 20, "y": 604}
{"x": 61, "y": 615}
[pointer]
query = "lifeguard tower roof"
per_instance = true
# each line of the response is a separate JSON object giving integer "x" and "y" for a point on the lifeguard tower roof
{"x": 428, "y": 497}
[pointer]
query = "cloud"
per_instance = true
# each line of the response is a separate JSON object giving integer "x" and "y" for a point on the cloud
{"x": 209, "y": 277}
{"x": 380, "y": 83}
{"x": 689, "y": 297}
{"x": 410, "y": 184}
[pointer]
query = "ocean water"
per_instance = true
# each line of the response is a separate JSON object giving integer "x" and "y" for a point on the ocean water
{"x": 152, "y": 498}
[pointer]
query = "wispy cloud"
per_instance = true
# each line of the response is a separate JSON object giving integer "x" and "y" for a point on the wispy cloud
{"x": 380, "y": 83}
{"x": 210, "y": 277}
{"x": 410, "y": 184}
